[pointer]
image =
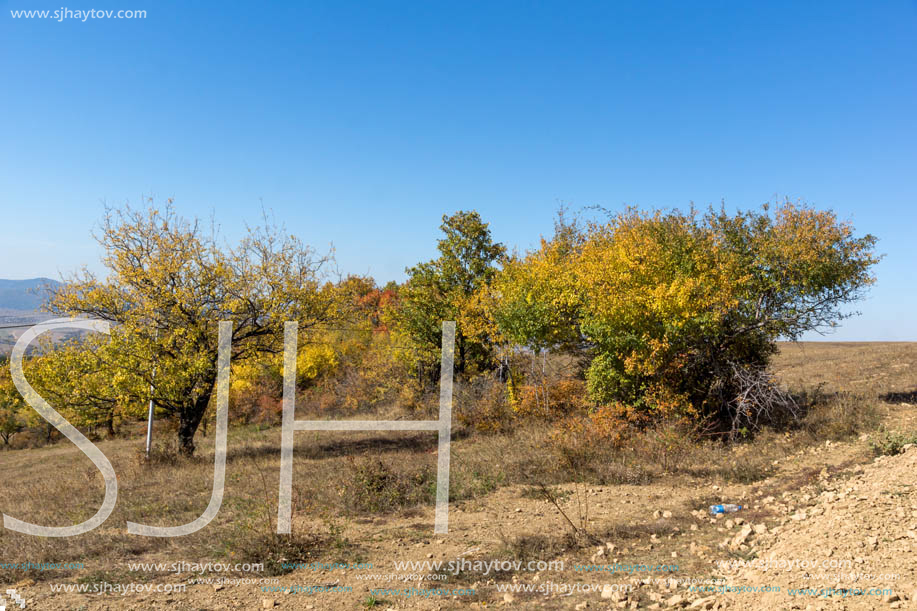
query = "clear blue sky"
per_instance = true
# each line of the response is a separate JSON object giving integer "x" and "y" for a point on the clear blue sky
{"x": 362, "y": 123}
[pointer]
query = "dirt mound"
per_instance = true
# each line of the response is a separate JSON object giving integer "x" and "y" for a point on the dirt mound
{"x": 843, "y": 542}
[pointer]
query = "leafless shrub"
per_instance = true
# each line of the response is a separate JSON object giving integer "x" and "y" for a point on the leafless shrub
{"x": 758, "y": 401}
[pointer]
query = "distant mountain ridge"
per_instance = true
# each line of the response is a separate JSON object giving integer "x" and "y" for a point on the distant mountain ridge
{"x": 25, "y": 295}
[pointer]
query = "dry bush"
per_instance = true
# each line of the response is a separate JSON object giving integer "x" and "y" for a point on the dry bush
{"x": 667, "y": 443}
{"x": 259, "y": 403}
{"x": 375, "y": 485}
{"x": 487, "y": 404}
{"x": 598, "y": 448}
{"x": 162, "y": 453}
{"x": 757, "y": 401}
{"x": 578, "y": 440}
{"x": 839, "y": 416}
{"x": 274, "y": 551}
{"x": 556, "y": 398}
{"x": 482, "y": 404}
{"x": 365, "y": 383}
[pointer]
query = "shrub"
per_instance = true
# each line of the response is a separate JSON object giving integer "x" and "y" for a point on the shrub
{"x": 840, "y": 416}
{"x": 257, "y": 401}
{"x": 483, "y": 403}
{"x": 578, "y": 441}
{"x": 558, "y": 398}
{"x": 681, "y": 310}
{"x": 890, "y": 443}
{"x": 314, "y": 361}
{"x": 374, "y": 486}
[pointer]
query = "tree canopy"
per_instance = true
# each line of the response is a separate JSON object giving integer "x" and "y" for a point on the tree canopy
{"x": 679, "y": 310}
{"x": 168, "y": 285}
{"x": 445, "y": 288}
{"x": 669, "y": 313}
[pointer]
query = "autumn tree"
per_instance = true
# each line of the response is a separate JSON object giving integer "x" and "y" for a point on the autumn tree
{"x": 683, "y": 310}
{"x": 169, "y": 283}
{"x": 445, "y": 289}
{"x": 14, "y": 413}
{"x": 90, "y": 394}
{"x": 535, "y": 301}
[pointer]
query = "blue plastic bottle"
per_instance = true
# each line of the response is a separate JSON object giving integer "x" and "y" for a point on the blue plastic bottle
{"x": 715, "y": 509}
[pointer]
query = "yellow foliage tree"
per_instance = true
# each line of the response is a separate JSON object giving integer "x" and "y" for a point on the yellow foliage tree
{"x": 168, "y": 285}
{"x": 682, "y": 310}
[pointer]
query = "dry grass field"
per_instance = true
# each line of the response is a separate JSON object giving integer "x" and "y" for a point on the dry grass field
{"x": 367, "y": 499}
{"x": 885, "y": 369}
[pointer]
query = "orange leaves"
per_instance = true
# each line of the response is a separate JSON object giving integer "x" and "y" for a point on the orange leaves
{"x": 608, "y": 425}
{"x": 561, "y": 397}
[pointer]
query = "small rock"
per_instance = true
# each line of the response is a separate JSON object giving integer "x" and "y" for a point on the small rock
{"x": 508, "y": 598}
{"x": 742, "y": 536}
{"x": 676, "y": 601}
{"x": 268, "y": 603}
{"x": 667, "y": 514}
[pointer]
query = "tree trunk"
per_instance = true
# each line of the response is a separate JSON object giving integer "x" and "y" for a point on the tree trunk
{"x": 460, "y": 366}
{"x": 188, "y": 421}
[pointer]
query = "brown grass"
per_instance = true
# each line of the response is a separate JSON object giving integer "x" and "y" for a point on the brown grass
{"x": 348, "y": 476}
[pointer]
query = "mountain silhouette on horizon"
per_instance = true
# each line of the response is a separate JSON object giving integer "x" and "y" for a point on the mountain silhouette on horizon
{"x": 27, "y": 295}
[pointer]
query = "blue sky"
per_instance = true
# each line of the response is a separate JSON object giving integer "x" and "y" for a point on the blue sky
{"x": 362, "y": 123}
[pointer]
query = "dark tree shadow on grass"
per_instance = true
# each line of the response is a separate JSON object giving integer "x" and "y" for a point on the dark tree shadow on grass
{"x": 909, "y": 396}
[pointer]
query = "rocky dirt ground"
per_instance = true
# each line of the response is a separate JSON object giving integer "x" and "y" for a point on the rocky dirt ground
{"x": 834, "y": 527}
